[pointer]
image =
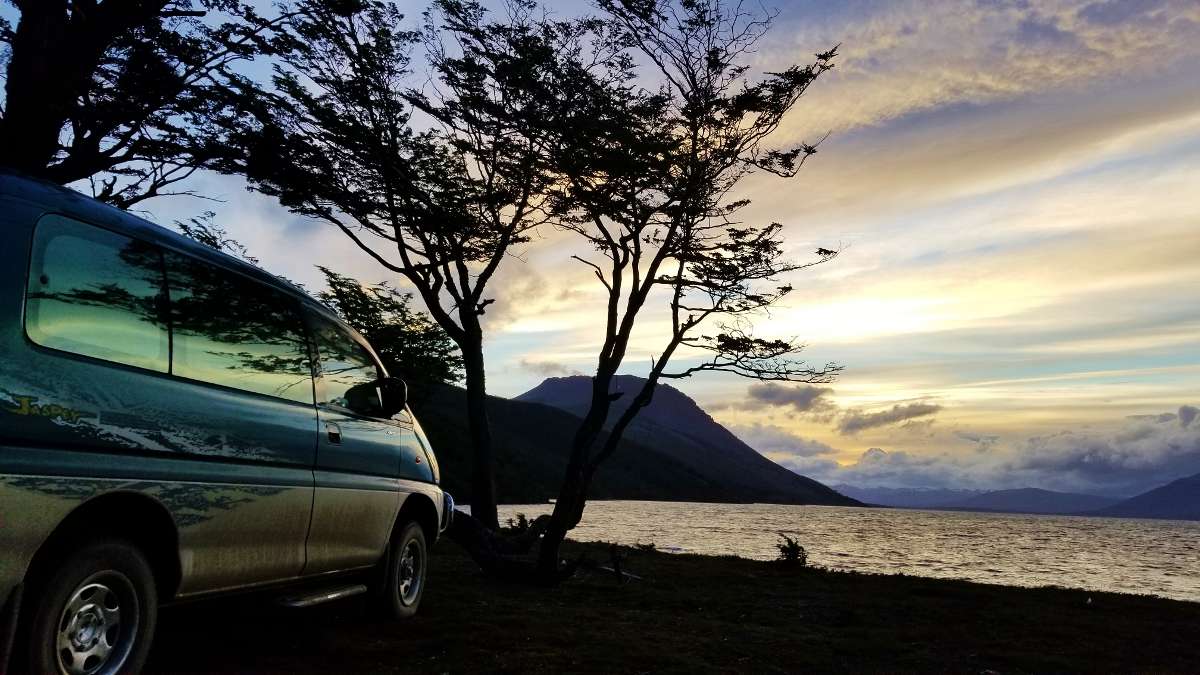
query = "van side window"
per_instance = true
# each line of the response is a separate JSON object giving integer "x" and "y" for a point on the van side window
{"x": 97, "y": 293}
{"x": 235, "y": 332}
{"x": 346, "y": 368}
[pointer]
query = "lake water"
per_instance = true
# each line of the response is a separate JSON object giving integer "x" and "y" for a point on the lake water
{"x": 1109, "y": 554}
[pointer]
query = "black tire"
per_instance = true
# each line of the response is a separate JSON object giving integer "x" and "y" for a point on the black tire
{"x": 400, "y": 579}
{"x": 95, "y": 612}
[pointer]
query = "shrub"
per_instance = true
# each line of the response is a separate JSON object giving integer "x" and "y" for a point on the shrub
{"x": 519, "y": 525}
{"x": 791, "y": 552}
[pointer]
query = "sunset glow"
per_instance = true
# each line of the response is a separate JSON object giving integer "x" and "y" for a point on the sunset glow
{"x": 1015, "y": 189}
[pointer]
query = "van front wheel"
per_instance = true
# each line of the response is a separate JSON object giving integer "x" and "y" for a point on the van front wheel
{"x": 96, "y": 613}
{"x": 401, "y": 582}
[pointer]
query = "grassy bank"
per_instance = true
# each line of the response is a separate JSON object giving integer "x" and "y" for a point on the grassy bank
{"x": 694, "y": 614}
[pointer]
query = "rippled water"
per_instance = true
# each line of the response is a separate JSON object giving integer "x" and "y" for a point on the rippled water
{"x": 1109, "y": 554}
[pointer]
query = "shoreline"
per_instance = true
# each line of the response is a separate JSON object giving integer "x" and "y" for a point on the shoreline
{"x": 1093, "y": 554}
{"x": 865, "y": 505}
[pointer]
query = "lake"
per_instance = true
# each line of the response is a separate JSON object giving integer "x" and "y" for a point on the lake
{"x": 1158, "y": 557}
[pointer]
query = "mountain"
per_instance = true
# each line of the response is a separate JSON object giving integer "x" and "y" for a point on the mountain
{"x": 1032, "y": 500}
{"x": 1177, "y": 500}
{"x": 530, "y": 443}
{"x": 675, "y": 426}
{"x": 908, "y": 498}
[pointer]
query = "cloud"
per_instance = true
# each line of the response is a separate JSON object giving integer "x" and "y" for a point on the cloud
{"x": 906, "y": 57}
{"x": 1146, "y": 451}
{"x": 548, "y": 368}
{"x": 1036, "y": 30}
{"x": 805, "y": 399}
{"x": 1187, "y": 414}
{"x": 775, "y": 441}
{"x": 532, "y": 297}
{"x": 982, "y": 442}
{"x": 1161, "y": 417}
{"x": 854, "y": 421}
{"x": 877, "y": 467}
{"x": 1116, "y": 12}
{"x": 1138, "y": 454}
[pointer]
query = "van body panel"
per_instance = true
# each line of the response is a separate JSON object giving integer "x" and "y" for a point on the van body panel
{"x": 350, "y": 525}
{"x": 113, "y": 420}
{"x": 258, "y": 492}
{"x": 230, "y": 534}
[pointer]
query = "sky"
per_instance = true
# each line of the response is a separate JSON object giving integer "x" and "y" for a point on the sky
{"x": 1015, "y": 188}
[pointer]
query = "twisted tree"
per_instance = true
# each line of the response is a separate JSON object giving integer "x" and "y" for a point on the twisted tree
{"x": 440, "y": 183}
{"x": 647, "y": 185}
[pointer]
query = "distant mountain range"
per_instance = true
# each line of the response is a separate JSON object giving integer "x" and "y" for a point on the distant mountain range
{"x": 908, "y": 498}
{"x": 1177, "y": 500}
{"x": 674, "y": 452}
{"x": 1033, "y": 500}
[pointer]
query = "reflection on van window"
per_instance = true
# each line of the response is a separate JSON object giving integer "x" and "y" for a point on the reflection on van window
{"x": 344, "y": 364}
{"x": 96, "y": 293}
{"x": 231, "y": 331}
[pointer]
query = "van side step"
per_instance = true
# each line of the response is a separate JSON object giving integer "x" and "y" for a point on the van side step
{"x": 322, "y": 596}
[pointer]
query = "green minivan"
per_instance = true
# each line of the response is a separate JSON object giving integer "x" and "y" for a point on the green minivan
{"x": 177, "y": 424}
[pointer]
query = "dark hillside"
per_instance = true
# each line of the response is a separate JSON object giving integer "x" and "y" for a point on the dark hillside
{"x": 674, "y": 425}
{"x": 531, "y": 442}
{"x": 1177, "y": 500}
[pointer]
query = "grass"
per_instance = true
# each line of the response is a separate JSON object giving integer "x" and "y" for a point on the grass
{"x": 694, "y": 614}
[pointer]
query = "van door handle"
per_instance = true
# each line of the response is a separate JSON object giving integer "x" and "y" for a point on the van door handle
{"x": 334, "y": 432}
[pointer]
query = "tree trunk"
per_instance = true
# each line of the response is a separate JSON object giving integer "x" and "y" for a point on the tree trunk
{"x": 572, "y": 494}
{"x": 53, "y": 58}
{"x": 35, "y": 93}
{"x": 567, "y": 513}
{"x": 483, "y": 482}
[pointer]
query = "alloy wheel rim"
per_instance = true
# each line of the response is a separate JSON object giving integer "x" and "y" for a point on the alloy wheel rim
{"x": 97, "y": 625}
{"x": 411, "y": 573}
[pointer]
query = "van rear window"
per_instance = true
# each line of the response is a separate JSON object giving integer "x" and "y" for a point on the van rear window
{"x": 111, "y": 297}
{"x": 97, "y": 293}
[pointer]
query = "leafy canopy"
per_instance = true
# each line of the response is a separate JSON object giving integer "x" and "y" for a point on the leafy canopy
{"x": 131, "y": 96}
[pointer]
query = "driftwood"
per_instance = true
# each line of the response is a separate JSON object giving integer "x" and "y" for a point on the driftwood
{"x": 615, "y": 567}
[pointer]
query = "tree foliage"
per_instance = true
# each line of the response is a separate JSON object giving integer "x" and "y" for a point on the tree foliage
{"x": 204, "y": 229}
{"x": 129, "y": 95}
{"x": 439, "y": 179}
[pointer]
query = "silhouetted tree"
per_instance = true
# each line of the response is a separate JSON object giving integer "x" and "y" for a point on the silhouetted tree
{"x": 204, "y": 229}
{"x": 127, "y": 94}
{"x": 442, "y": 207}
{"x": 646, "y": 185}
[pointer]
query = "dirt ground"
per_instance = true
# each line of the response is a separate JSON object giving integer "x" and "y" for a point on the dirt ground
{"x": 692, "y": 614}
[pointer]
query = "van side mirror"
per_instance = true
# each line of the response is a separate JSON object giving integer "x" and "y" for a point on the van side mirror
{"x": 394, "y": 392}
{"x": 382, "y": 398}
